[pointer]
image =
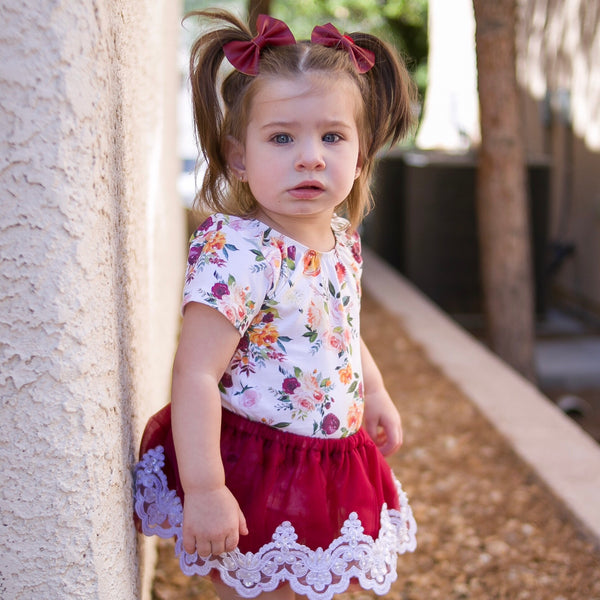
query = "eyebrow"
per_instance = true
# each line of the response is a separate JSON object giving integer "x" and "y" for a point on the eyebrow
{"x": 333, "y": 123}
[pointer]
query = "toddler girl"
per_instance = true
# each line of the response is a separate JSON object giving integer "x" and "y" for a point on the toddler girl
{"x": 268, "y": 464}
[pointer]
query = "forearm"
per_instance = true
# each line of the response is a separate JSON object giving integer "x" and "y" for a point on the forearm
{"x": 206, "y": 345}
{"x": 372, "y": 378}
{"x": 212, "y": 519}
{"x": 196, "y": 423}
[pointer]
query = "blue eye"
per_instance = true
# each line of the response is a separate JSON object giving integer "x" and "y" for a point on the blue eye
{"x": 282, "y": 138}
{"x": 331, "y": 138}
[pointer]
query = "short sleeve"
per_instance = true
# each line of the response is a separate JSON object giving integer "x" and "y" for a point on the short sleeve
{"x": 349, "y": 248}
{"x": 229, "y": 270}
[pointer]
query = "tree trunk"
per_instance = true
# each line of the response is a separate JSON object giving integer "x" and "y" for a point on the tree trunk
{"x": 502, "y": 203}
{"x": 255, "y": 8}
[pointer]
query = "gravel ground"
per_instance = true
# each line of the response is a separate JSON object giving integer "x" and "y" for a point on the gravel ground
{"x": 488, "y": 528}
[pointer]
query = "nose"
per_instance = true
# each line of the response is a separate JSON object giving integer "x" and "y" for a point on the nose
{"x": 310, "y": 156}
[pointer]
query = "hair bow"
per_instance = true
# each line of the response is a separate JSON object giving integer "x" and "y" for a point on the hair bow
{"x": 244, "y": 55}
{"x": 328, "y": 35}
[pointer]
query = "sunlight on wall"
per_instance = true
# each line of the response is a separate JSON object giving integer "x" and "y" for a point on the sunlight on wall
{"x": 558, "y": 44}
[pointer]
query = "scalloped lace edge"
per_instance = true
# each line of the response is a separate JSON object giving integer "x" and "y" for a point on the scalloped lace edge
{"x": 317, "y": 574}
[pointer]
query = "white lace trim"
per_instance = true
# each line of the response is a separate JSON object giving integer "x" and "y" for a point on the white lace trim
{"x": 317, "y": 574}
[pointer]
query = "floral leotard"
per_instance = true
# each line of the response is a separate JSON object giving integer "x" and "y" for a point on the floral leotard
{"x": 297, "y": 366}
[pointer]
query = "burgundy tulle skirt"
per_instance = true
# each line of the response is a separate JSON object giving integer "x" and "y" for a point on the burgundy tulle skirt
{"x": 277, "y": 476}
{"x": 322, "y": 487}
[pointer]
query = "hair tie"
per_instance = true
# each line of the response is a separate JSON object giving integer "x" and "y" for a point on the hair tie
{"x": 329, "y": 36}
{"x": 244, "y": 56}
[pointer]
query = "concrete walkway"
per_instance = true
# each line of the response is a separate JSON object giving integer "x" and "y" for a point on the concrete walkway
{"x": 559, "y": 451}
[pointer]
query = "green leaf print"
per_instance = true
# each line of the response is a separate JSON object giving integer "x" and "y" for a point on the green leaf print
{"x": 259, "y": 255}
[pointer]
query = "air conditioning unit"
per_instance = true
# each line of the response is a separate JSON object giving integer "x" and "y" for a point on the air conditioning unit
{"x": 425, "y": 225}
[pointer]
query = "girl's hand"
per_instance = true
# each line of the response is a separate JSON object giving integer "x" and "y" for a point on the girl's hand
{"x": 382, "y": 421}
{"x": 212, "y": 522}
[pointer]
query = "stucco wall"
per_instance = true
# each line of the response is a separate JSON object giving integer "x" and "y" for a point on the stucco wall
{"x": 558, "y": 48}
{"x": 91, "y": 248}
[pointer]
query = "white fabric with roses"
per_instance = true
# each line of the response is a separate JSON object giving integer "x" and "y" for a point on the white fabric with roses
{"x": 297, "y": 366}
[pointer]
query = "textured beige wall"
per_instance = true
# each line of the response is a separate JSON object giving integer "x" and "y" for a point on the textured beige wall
{"x": 91, "y": 248}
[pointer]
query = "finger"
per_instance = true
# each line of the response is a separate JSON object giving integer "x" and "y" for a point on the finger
{"x": 231, "y": 542}
{"x": 203, "y": 549}
{"x": 189, "y": 544}
{"x": 390, "y": 440}
{"x": 243, "y": 525}
{"x": 217, "y": 547}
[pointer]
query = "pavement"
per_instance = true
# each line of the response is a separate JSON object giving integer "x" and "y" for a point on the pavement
{"x": 561, "y": 453}
{"x": 567, "y": 353}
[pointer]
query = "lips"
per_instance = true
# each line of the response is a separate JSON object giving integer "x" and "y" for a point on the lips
{"x": 307, "y": 189}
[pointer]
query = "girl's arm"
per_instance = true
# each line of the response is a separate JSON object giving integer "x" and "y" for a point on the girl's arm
{"x": 382, "y": 419}
{"x": 212, "y": 519}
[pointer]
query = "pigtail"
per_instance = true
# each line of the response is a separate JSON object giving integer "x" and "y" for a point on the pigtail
{"x": 206, "y": 57}
{"x": 389, "y": 95}
{"x": 392, "y": 93}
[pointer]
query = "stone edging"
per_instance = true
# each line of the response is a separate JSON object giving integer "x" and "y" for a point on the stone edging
{"x": 565, "y": 457}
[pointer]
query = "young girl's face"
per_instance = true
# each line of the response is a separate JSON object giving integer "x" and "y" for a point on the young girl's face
{"x": 301, "y": 152}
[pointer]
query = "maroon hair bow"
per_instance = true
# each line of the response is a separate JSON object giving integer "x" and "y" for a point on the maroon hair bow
{"x": 328, "y": 35}
{"x": 244, "y": 56}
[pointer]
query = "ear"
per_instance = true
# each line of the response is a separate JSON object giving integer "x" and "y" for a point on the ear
{"x": 359, "y": 166}
{"x": 236, "y": 157}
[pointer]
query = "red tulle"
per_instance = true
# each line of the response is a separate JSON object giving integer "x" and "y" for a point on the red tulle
{"x": 278, "y": 476}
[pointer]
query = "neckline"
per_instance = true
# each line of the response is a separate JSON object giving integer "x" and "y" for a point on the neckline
{"x": 338, "y": 226}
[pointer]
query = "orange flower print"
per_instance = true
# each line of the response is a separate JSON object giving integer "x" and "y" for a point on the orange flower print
{"x": 340, "y": 271}
{"x": 214, "y": 241}
{"x": 312, "y": 263}
{"x": 264, "y": 336}
{"x": 355, "y": 416}
{"x": 345, "y": 374}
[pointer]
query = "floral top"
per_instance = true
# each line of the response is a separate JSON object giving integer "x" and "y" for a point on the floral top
{"x": 297, "y": 366}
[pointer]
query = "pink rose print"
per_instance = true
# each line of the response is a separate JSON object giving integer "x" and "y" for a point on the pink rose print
{"x": 330, "y": 424}
{"x": 307, "y": 394}
{"x": 337, "y": 340}
{"x": 229, "y": 312}
{"x": 250, "y": 398}
{"x": 303, "y": 403}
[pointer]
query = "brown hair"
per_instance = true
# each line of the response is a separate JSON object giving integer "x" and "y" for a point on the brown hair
{"x": 387, "y": 93}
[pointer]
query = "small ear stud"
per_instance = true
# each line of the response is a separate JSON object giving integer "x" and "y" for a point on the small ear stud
{"x": 242, "y": 178}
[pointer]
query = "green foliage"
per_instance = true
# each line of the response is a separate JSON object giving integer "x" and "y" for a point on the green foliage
{"x": 402, "y": 22}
